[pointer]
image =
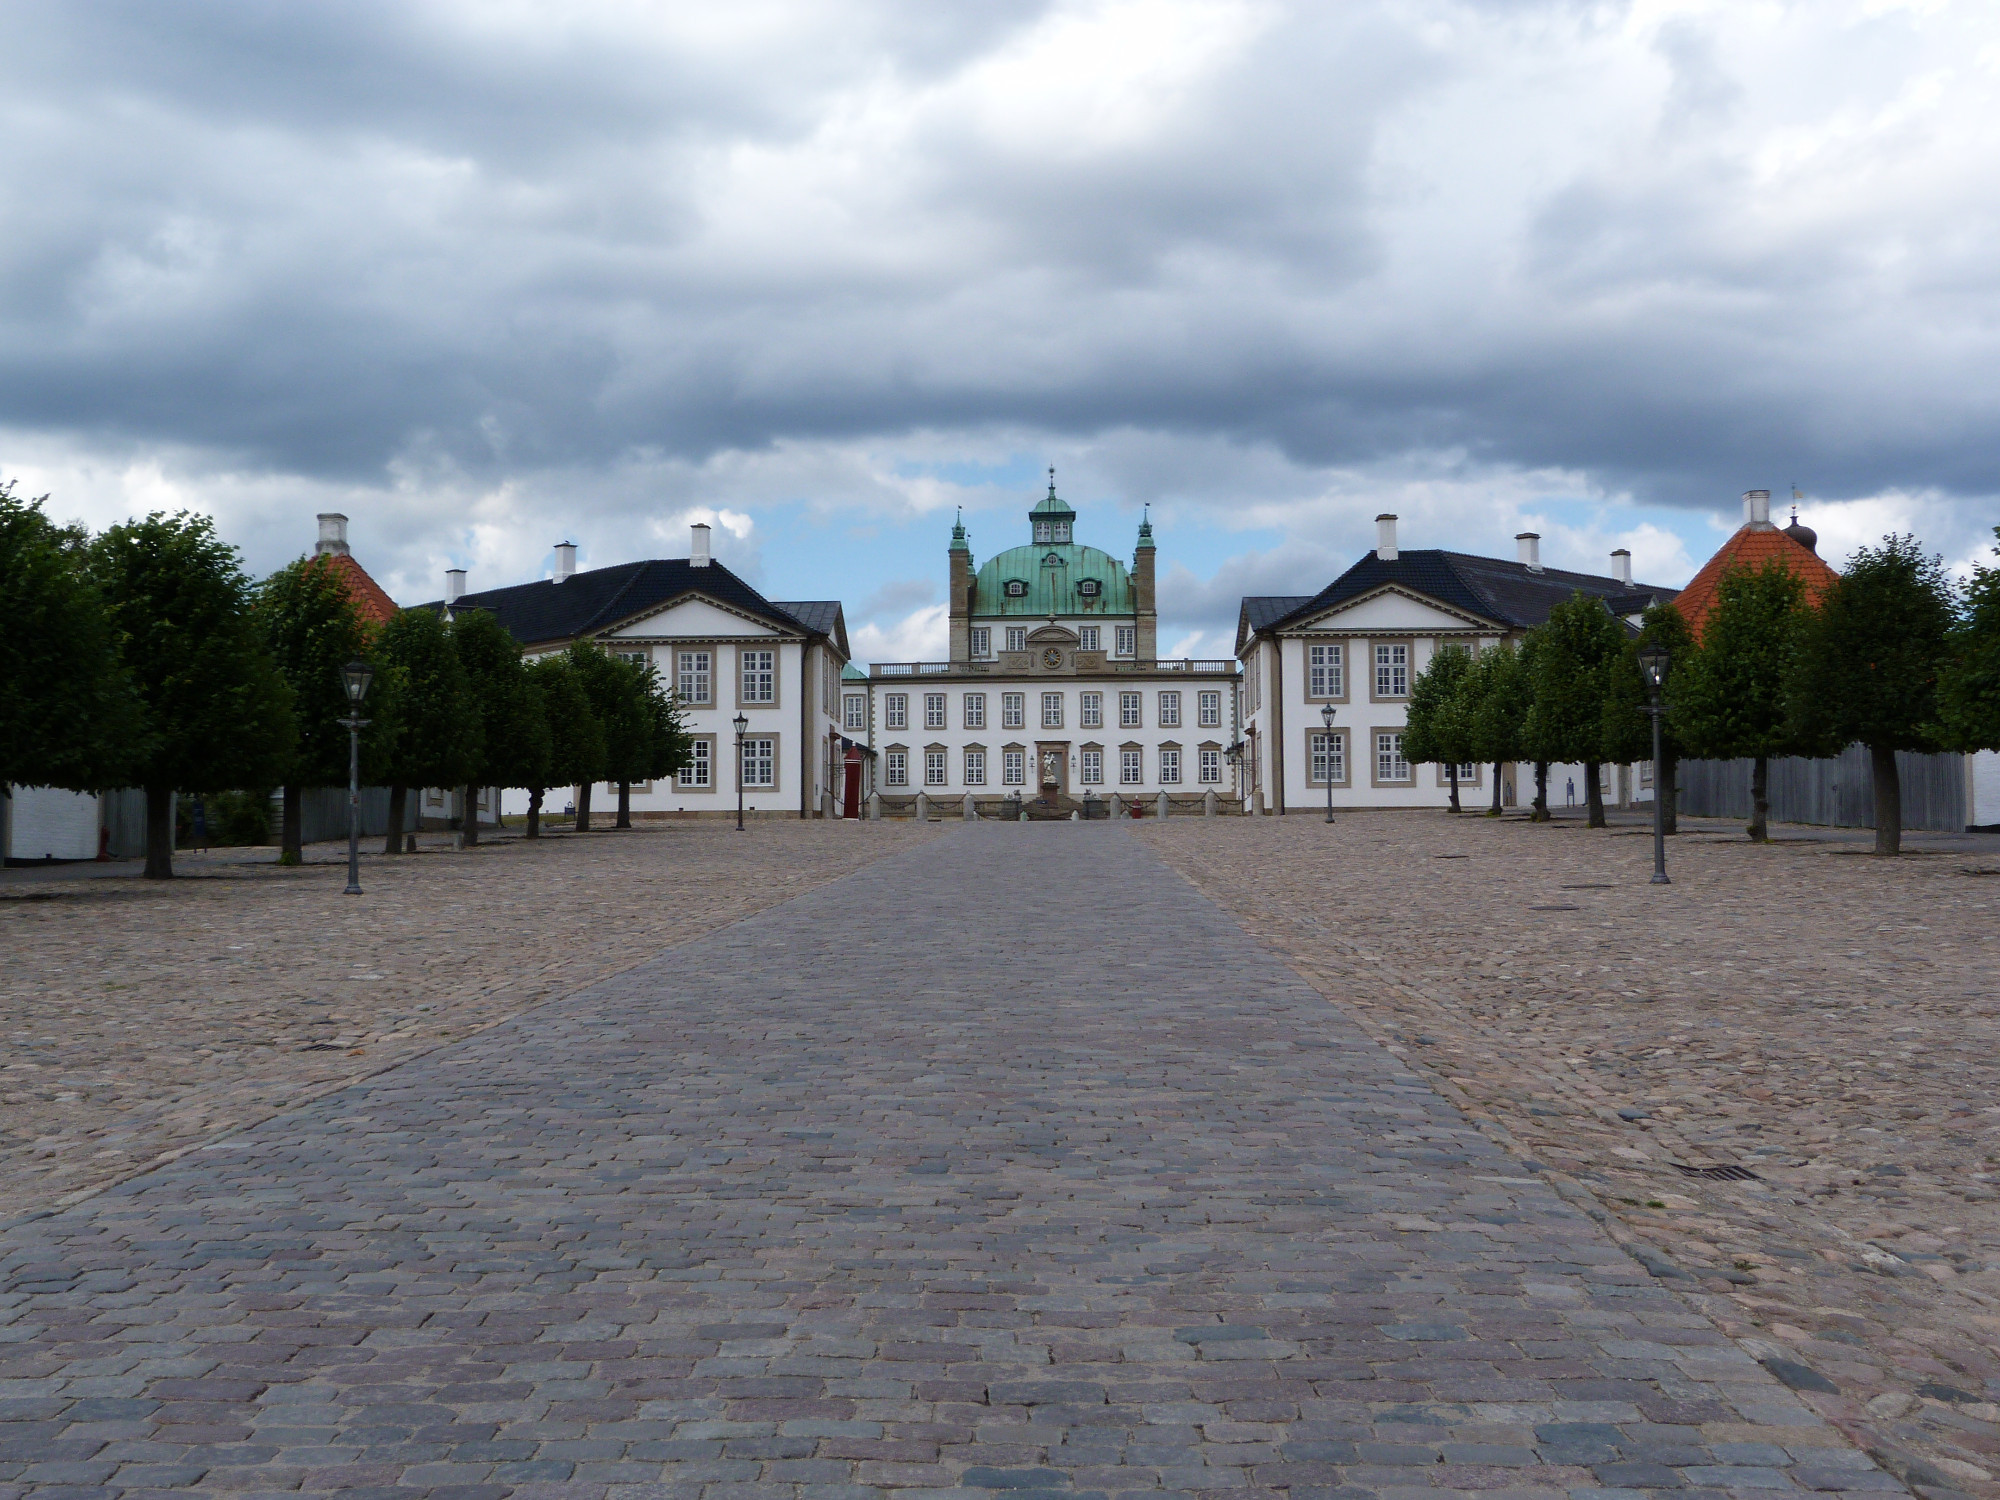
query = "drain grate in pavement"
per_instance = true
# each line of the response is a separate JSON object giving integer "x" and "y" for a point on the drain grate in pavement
{"x": 1555, "y": 908}
{"x": 1468, "y": 856}
{"x": 1595, "y": 885}
{"x": 1731, "y": 1173}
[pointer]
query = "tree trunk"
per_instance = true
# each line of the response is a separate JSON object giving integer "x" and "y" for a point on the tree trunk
{"x": 1540, "y": 814}
{"x": 291, "y": 829}
{"x": 1593, "y": 792}
{"x": 1494, "y": 812}
{"x": 159, "y": 833}
{"x": 1453, "y": 772}
{"x": 1760, "y": 800}
{"x": 1888, "y": 800}
{"x": 624, "y": 805}
{"x": 399, "y": 812}
{"x": 469, "y": 819}
{"x": 583, "y": 808}
{"x": 535, "y": 811}
{"x": 1666, "y": 775}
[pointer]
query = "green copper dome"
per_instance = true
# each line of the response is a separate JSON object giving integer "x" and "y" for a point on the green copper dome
{"x": 1052, "y": 575}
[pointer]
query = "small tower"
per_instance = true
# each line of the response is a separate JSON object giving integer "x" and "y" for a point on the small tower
{"x": 962, "y": 576}
{"x": 1052, "y": 523}
{"x": 1142, "y": 591}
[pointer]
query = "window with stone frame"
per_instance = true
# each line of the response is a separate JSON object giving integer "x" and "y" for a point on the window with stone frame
{"x": 1131, "y": 767}
{"x": 1208, "y": 765}
{"x": 760, "y": 761}
{"x": 1326, "y": 758}
{"x": 1170, "y": 766}
{"x": 1129, "y": 711}
{"x": 975, "y": 710}
{"x": 895, "y": 768}
{"x": 698, "y": 774}
{"x": 1170, "y": 710}
{"x": 1017, "y": 638}
{"x": 1052, "y": 710}
{"x": 1013, "y": 710}
{"x": 1014, "y": 767}
{"x": 1209, "y": 707}
{"x": 934, "y": 711}
{"x": 934, "y": 767}
{"x": 696, "y": 677}
{"x": 982, "y": 642}
{"x": 760, "y": 676}
{"x": 856, "y": 717}
{"x": 1088, "y": 638}
{"x": 896, "y": 711}
{"x": 1093, "y": 768}
{"x": 975, "y": 768}
{"x": 1392, "y": 671}
{"x": 1125, "y": 640}
{"x": 1389, "y": 762}
{"x": 1326, "y": 671}
{"x": 1090, "y": 710}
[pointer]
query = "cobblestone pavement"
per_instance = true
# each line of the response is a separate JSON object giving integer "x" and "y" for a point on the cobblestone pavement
{"x": 1803, "y": 1011}
{"x": 142, "y": 1018}
{"x": 1005, "y": 1164}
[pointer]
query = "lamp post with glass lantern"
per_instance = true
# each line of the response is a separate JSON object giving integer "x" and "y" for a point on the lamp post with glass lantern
{"x": 1234, "y": 755}
{"x": 355, "y": 677}
{"x": 1326, "y": 718}
{"x": 1653, "y": 663}
{"x": 742, "y": 722}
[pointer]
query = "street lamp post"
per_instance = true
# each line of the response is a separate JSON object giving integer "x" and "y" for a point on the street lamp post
{"x": 1326, "y": 718}
{"x": 355, "y": 677}
{"x": 1234, "y": 755}
{"x": 1653, "y": 662}
{"x": 742, "y": 722}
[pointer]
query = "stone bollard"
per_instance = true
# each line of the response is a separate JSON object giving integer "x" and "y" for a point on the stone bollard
{"x": 1208, "y": 803}
{"x": 1163, "y": 804}
{"x": 1117, "y": 807}
{"x": 971, "y": 809}
{"x": 1075, "y": 816}
{"x": 923, "y": 808}
{"x": 874, "y": 807}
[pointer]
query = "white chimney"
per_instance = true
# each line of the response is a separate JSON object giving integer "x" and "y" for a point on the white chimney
{"x": 698, "y": 555}
{"x": 1385, "y": 538}
{"x": 1528, "y": 550}
{"x": 332, "y": 535}
{"x": 565, "y": 560}
{"x": 454, "y": 585}
{"x": 1757, "y": 509}
{"x": 1621, "y": 566}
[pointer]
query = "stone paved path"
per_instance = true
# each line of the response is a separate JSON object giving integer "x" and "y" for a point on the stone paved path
{"x": 1007, "y": 1163}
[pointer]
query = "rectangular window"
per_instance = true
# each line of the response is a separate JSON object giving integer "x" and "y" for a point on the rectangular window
{"x": 1090, "y": 710}
{"x": 1170, "y": 767}
{"x": 896, "y": 767}
{"x": 637, "y": 659}
{"x": 1013, "y": 710}
{"x": 1088, "y": 638}
{"x": 1389, "y": 762}
{"x": 1052, "y": 710}
{"x": 1017, "y": 638}
{"x": 1645, "y": 773}
{"x": 1128, "y": 711}
{"x": 1329, "y": 758}
{"x": 697, "y": 683}
{"x": 1013, "y": 767}
{"x": 760, "y": 676}
{"x": 760, "y": 761}
{"x": 975, "y": 768}
{"x": 896, "y": 711}
{"x": 982, "y": 642}
{"x": 1127, "y": 639}
{"x": 1129, "y": 770}
{"x": 857, "y": 712}
{"x": 975, "y": 710}
{"x": 1210, "y": 762}
{"x": 699, "y": 771}
{"x": 934, "y": 768}
{"x": 1170, "y": 710}
{"x": 1093, "y": 768}
{"x": 933, "y": 710}
{"x": 1325, "y": 672}
{"x": 1468, "y": 772}
{"x": 1210, "y": 708}
{"x": 1392, "y": 671}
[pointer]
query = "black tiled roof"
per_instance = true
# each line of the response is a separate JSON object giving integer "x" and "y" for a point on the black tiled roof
{"x": 1508, "y": 593}
{"x": 584, "y": 603}
{"x": 820, "y": 616}
{"x": 1262, "y": 611}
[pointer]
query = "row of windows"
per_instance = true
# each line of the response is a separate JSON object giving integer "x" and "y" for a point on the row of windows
{"x": 1014, "y": 710}
{"x": 1014, "y": 767}
{"x": 694, "y": 675}
{"x": 760, "y": 764}
{"x": 1124, "y": 639}
{"x": 1326, "y": 671}
{"x": 1328, "y": 757}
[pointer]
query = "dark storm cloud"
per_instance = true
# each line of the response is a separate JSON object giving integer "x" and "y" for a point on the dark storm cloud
{"x": 328, "y": 241}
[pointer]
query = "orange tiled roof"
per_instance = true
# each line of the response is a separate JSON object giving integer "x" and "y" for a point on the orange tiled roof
{"x": 1751, "y": 547}
{"x": 376, "y": 607}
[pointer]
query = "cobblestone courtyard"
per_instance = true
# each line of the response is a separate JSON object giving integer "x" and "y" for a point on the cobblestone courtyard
{"x": 1005, "y": 1162}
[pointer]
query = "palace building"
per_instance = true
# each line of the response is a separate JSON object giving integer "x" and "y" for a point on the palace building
{"x": 1054, "y": 691}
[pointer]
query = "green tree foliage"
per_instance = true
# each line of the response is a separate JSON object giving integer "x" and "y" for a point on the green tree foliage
{"x": 1577, "y": 651}
{"x": 1437, "y": 731}
{"x": 667, "y": 743}
{"x": 1628, "y": 728}
{"x": 431, "y": 731}
{"x": 576, "y": 740}
{"x": 1495, "y": 696}
{"x": 217, "y": 714}
{"x": 1969, "y": 692}
{"x": 514, "y": 730}
{"x": 1729, "y": 694}
{"x": 1867, "y": 668}
{"x": 618, "y": 699}
{"x": 68, "y": 716}
{"x": 311, "y": 628}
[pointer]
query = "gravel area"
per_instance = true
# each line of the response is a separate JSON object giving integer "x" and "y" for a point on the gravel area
{"x": 1802, "y": 1012}
{"x": 144, "y": 1018}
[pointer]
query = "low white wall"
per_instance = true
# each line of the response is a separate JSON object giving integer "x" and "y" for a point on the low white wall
{"x": 48, "y": 822}
{"x": 1985, "y": 788}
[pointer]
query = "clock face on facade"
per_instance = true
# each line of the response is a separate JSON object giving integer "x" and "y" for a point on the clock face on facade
{"x": 1051, "y": 658}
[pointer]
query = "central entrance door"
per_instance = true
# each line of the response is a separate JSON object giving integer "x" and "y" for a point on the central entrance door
{"x": 1052, "y": 768}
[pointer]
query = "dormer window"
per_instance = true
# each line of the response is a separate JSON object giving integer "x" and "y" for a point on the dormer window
{"x": 1090, "y": 588}
{"x": 1014, "y": 588}
{"x": 1061, "y": 531}
{"x": 1044, "y": 532}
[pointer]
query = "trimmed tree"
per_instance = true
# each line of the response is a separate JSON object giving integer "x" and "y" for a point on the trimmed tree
{"x": 1436, "y": 732}
{"x": 1969, "y": 691}
{"x": 68, "y": 716}
{"x": 1868, "y": 664}
{"x": 433, "y": 733}
{"x": 617, "y": 693}
{"x": 1495, "y": 695}
{"x": 1577, "y": 651}
{"x": 576, "y": 740}
{"x": 311, "y": 628}
{"x": 668, "y": 745}
{"x": 513, "y": 727}
{"x": 1729, "y": 694}
{"x": 217, "y": 713}
{"x": 1628, "y": 728}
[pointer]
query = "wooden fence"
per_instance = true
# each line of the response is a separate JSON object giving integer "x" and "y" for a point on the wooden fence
{"x": 1835, "y": 793}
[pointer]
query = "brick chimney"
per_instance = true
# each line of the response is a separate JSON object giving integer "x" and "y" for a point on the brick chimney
{"x": 1385, "y": 538}
{"x": 1757, "y": 510}
{"x": 565, "y": 560}
{"x": 698, "y": 555}
{"x": 454, "y": 585}
{"x": 1621, "y": 566}
{"x": 1528, "y": 550}
{"x": 332, "y": 535}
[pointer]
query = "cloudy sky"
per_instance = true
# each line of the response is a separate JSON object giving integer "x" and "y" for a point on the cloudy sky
{"x": 486, "y": 276}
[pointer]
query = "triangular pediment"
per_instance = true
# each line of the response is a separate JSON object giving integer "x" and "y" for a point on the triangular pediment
{"x": 1391, "y": 609}
{"x": 695, "y": 617}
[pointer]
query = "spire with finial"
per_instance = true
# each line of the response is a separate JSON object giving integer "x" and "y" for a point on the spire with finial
{"x": 1051, "y": 519}
{"x": 958, "y": 540}
{"x": 1146, "y": 526}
